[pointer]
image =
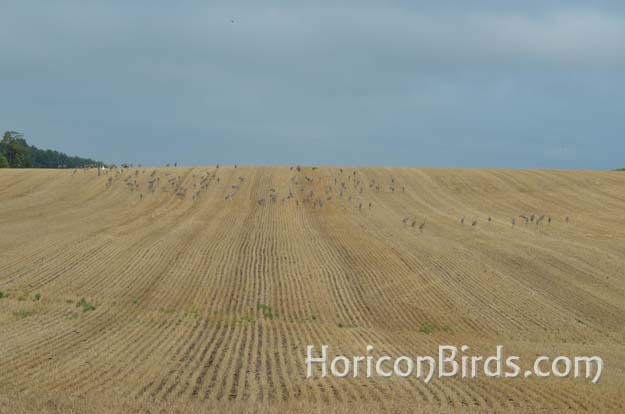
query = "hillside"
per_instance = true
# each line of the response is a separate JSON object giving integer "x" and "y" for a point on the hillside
{"x": 202, "y": 287}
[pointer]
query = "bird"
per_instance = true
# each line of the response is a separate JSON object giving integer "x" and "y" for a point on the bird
{"x": 231, "y": 21}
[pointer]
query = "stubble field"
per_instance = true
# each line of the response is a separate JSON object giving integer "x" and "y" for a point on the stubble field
{"x": 198, "y": 289}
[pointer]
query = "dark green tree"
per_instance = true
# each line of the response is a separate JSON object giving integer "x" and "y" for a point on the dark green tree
{"x": 16, "y": 150}
{"x": 18, "y": 154}
{"x": 3, "y": 162}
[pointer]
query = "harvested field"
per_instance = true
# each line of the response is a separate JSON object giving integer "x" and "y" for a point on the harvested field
{"x": 198, "y": 289}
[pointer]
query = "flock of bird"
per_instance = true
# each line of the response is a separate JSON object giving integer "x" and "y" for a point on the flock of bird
{"x": 306, "y": 189}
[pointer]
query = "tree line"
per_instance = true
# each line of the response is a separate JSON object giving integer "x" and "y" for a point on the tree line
{"x": 15, "y": 152}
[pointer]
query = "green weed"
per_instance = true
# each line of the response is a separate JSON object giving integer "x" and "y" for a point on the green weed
{"x": 86, "y": 306}
{"x": 23, "y": 314}
{"x": 267, "y": 312}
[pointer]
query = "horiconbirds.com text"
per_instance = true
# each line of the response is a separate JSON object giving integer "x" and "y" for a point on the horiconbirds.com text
{"x": 451, "y": 361}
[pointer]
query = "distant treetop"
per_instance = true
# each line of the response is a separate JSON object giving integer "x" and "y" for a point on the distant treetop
{"x": 16, "y": 153}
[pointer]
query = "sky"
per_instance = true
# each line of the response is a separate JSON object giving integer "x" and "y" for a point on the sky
{"x": 480, "y": 84}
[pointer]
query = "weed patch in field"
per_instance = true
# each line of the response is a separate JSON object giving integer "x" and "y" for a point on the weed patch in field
{"x": 71, "y": 316}
{"x": 86, "y": 306}
{"x": 267, "y": 312}
{"x": 22, "y": 314}
{"x": 431, "y": 328}
{"x": 167, "y": 311}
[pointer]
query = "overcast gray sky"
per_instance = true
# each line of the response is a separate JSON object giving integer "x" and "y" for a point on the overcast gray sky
{"x": 523, "y": 84}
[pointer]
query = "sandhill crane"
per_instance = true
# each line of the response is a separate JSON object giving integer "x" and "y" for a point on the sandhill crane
{"x": 549, "y": 220}
{"x": 462, "y": 220}
{"x": 474, "y": 223}
{"x": 513, "y": 221}
{"x": 532, "y": 217}
{"x": 489, "y": 219}
{"x": 421, "y": 226}
{"x": 567, "y": 219}
{"x": 370, "y": 206}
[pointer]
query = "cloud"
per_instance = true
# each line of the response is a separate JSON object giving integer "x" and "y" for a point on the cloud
{"x": 395, "y": 83}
